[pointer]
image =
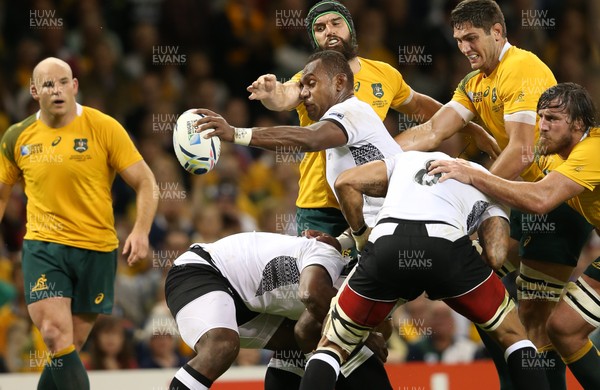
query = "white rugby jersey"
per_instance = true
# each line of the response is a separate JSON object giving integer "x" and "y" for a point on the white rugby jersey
{"x": 415, "y": 195}
{"x": 368, "y": 140}
{"x": 264, "y": 268}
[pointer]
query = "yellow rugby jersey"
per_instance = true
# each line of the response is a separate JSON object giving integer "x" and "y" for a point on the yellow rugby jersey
{"x": 514, "y": 86}
{"x": 376, "y": 83}
{"x": 68, "y": 174}
{"x": 583, "y": 167}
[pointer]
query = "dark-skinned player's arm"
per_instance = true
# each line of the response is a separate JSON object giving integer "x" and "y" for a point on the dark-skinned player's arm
{"x": 318, "y": 136}
{"x": 315, "y": 290}
{"x": 369, "y": 179}
{"x": 494, "y": 235}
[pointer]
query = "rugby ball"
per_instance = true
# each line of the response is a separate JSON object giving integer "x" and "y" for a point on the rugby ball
{"x": 196, "y": 154}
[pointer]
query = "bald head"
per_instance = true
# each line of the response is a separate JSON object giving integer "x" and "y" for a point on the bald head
{"x": 49, "y": 66}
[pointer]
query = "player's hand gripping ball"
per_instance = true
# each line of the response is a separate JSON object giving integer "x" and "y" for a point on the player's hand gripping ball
{"x": 195, "y": 154}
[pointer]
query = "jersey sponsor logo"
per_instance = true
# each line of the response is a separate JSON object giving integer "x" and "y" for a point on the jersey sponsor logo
{"x": 377, "y": 90}
{"x": 27, "y": 150}
{"x": 99, "y": 298}
{"x": 40, "y": 284}
{"x": 56, "y": 140}
{"x": 357, "y": 86}
{"x": 494, "y": 96}
{"x": 337, "y": 114}
{"x": 81, "y": 145}
{"x": 578, "y": 168}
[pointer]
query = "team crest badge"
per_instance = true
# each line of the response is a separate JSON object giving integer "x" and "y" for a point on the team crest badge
{"x": 80, "y": 145}
{"x": 377, "y": 90}
{"x": 357, "y": 86}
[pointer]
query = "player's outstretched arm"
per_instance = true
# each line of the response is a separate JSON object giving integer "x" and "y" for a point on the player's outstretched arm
{"x": 274, "y": 95}
{"x": 318, "y": 136}
{"x": 533, "y": 197}
{"x": 139, "y": 177}
{"x": 429, "y": 135}
{"x": 5, "y": 190}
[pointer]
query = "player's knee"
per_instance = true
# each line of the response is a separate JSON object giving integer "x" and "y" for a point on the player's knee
{"x": 52, "y": 333}
{"x": 556, "y": 327}
{"x": 220, "y": 344}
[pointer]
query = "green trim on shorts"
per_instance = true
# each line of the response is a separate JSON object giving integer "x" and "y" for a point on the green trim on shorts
{"x": 57, "y": 270}
{"x": 593, "y": 270}
{"x": 556, "y": 237}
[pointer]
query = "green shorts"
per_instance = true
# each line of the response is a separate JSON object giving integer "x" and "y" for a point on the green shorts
{"x": 557, "y": 237}
{"x": 56, "y": 270}
{"x": 593, "y": 270}
{"x": 326, "y": 220}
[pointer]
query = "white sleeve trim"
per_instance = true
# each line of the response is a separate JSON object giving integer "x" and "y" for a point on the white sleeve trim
{"x": 527, "y": 117}
{"x": 466, "y": 114}
{"x": 409, "y": 98}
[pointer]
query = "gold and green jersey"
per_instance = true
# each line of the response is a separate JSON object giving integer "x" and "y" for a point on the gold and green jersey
{"x": 514, "y": 86}
{"x": 67, "y": 175}
{"x": 583, "y": 167}
{"x": 376, "y": 83}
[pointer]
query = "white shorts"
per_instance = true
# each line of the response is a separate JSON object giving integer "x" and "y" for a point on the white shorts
{"x": 216, "y": 309}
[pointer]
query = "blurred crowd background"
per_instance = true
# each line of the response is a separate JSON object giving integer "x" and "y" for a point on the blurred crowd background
{"x": 145, "y": 61}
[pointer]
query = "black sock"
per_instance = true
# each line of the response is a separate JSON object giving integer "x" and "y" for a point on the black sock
{"x": 321, "y": 371}
{"x": 369, "y": 375}
{"x": 556, "y": 370}
{"x": 584, "y": 364}
{"x": 497, "y": 355}
{"x": 527, "y": 370}
{"x": 186, "y": 377}
{"x": 276, "y": 379}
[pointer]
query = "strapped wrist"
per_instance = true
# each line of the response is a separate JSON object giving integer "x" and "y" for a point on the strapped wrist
{"x": 360, "y": 231}
{"x": 242, "y": 135}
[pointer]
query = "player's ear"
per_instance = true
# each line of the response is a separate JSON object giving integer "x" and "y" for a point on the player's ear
{"x": 75, "y": 86}
{"x": 578, "y": 125}
{"x": 340, "y": 81}
{"x": 33, "y": 91}
{"x": 497, "y": 31}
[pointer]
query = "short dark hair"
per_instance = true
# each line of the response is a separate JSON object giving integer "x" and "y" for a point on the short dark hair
{"x": 480, "y": 13}
{"x": 334, "y": 63}
{"x": 571, "y": 98}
